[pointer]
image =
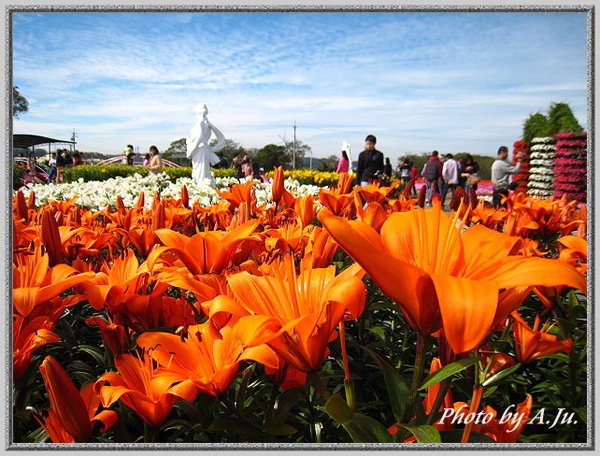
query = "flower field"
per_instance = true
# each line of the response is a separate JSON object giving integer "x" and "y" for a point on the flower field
{"x": 149, "y": 311}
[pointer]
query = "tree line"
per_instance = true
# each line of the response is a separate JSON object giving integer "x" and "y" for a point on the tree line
{"x": 559, "y": 117}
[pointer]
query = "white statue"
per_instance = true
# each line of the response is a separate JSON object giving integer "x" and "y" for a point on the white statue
{"x": 198, "y": 149}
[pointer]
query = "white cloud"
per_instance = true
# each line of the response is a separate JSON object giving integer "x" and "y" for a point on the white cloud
{"x": 418, "y": 81}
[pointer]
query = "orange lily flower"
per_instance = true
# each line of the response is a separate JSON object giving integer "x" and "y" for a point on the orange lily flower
{"x": 320, "y": 249}
{"x": 203, "y": 253}
{"x": 113, "y": 335}
{"x": 155, "y": 310}
{"x": 441, "y": 276}
{"x": 498, "y": 361}
{"x": 288, "y": 238}
{"x": 344, "y": 184}
{"x": 208, "y": 357}
{"x": 581, "y": 214}
{"x": 374, "y": 214}
{"x": 148, "y": 391}
{"x": 20, "y": 208}
{"x": 342, "y": 205}
{"x": 28, "y": 336}
{"x": 296, "y": 315}
{"x": 239, "y": 193}
{"x": 488, "y": 216}
{"x": 433, "y": 390}
{"x": 125, "y": 275}
{"x": 35, "y": 283}
{"x": 508, "y": 431}
{"x": 372, "y": 193}
{"x": 142, "y": 239}
{"x": 63, "y": 206}
{"x": 51, "y": 238}
{"x": 574, "y": 253}
{"x": 281, "y": 197}
{"x": 215, "y": 217}
{"x": 304, "y": 208}
{"x": 71, "y": 412}
{"x": 532, "y": 343}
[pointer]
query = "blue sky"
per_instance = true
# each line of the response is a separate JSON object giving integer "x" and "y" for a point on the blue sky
{"x": 418, "y": 81}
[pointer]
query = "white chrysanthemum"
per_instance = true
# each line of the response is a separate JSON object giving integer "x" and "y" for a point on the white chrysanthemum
{"x": 541, "y": 163}
{"x": 543, "y": 139}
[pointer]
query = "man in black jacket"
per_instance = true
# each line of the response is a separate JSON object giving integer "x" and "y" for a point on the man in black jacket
{"x": 370, "y": 162}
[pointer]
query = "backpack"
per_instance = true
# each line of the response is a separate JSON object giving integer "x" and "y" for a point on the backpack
{"x": 431, "y": 171}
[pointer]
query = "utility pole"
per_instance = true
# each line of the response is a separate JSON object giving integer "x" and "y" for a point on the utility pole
{"x": 294, "y": 149}
{"x": 74, "y": 137}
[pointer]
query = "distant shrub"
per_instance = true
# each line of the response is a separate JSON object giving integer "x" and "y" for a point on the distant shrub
{"x": 104, "y": 172}
{"x": 18, "y": 174}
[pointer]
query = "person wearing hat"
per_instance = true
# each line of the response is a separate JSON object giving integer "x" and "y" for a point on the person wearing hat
{"x": 370, "y": 162}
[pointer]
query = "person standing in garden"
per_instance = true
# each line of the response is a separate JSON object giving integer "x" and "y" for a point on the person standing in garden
{"x": 343, "y": 163}
{"x": 237, "y": 165}
{"x": 387, "y": 169}
{"x": 404, "y": 172}
{"x": 501, "y": 172}
{"x": 60, "y": 165}
{"x": 77, "y": 159}
{"x": 146, "y": 161}
{"x": 130, "y": 159}
{"x": 52, "y": 168}
{"x": 414, "y": 175}
{"x": 469, "y": 170}
{"x": 370, "y": 162}
{"x": 128, "y": 150}
{"x": 68, "y": 159}
{"x": 247, "y": 166}
{"x": 155, "y": 166}
{"x": 450, "y": 174}
{"x": 432, "y": 173}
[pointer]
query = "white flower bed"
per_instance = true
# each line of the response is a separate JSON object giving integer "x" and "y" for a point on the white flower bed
{"x": 98, "y": 195}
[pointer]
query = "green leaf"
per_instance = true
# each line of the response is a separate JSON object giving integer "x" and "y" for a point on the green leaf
{"x": 361, "y": 428}
{"x": 560, "y": 356}
{"x": 378, "y": 331}
{"x": 397, "y": 388}
{"x": 281, "y": 430}
{"x": 369, "y": 430}
{"x": 500, "y": 375}
{"x": 573, "y": 301}
{"x": 489, "y": 391}
{"x": 37, "y": 436}
{"x": 282, "y": 406}
{"x": 241, "y": 394}
{"x": 454, "y": 436}
{"x": 448, "y": 371}
{"x": 94, "y": 352}
{"x": 337, "y": 409}
{"x": 236, "y": 426}
{"x": 424, "y": 433}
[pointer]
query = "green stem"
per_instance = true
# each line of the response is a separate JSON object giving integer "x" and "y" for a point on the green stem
{"x": 559, "y": 313}
{"x": 422, "y": 344}
{"x": 444, "y": 387}
{"x": 475, "y": 401}
{"x": 150, "y": 433}
{"x": 315, "y": 379}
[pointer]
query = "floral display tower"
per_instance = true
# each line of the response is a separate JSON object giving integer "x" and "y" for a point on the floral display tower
{"x": 541, "y": 163}
{"x": 522, "y": 177}
{"x": 570, "y": 166}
